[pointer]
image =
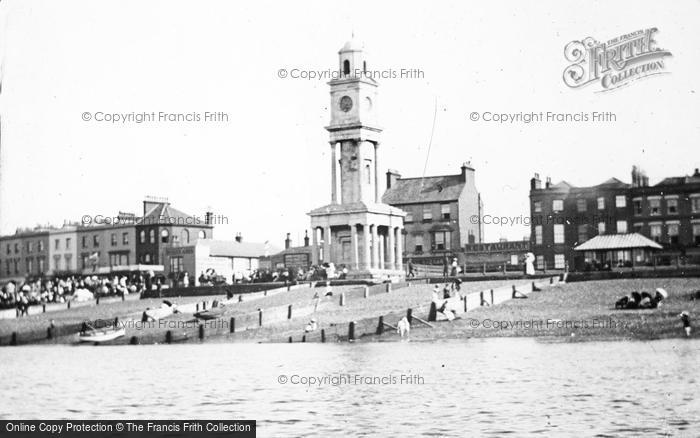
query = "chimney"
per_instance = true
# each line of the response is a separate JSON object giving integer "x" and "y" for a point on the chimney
{"x": 208, "y": 217}
{"x": 239, "y": 238}
{"x": 697, "y": 172}
{"x": 306, "y": 238}
{"x": 535, "y": 183}
{"x": 548, "y": 183}
{"x": 466, "y": 166}
{"x": 391, "y": 177}
{"x": 288, "y": 241}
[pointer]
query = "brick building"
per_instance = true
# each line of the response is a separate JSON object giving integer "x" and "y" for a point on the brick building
{"x": 439, "y": 214}
{"x": 564, "y": 216}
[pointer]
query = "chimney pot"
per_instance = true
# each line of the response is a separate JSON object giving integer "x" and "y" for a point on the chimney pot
{"x": 306, "y": 238}
{"x": 287, "y": 241}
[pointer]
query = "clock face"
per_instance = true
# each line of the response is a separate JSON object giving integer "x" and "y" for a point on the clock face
{"x": 345, "y": 103}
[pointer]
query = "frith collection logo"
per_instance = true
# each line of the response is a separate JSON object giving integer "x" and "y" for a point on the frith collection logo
{"x": 615, "y": 63}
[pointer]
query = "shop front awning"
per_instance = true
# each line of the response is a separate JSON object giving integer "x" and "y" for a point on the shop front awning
{"x": 606, "y": 242}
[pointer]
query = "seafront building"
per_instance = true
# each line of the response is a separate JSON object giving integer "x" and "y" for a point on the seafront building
{"x": 642, "y": 224}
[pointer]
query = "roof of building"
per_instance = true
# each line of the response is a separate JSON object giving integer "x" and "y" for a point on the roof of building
{"x": 228, "y": 248}
{"x": 352, "y": 45}
{"x": 429, "y": 189}
{"x": 617, "y": 241}
{"x": 164, "y": 214}
{"x": 613, "y": 182}
{"x": 294, "y": 250}
{"x": 675, "y": 180}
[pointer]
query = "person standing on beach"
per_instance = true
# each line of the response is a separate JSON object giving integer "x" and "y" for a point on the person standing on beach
{"x": 685, "y": 318}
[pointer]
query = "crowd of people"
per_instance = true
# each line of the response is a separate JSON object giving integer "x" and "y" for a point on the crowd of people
{"x": 21, "y": 295}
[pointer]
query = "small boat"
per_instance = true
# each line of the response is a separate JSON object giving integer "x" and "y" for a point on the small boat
{"x": 98, "y": 336}
{"x": 213, "y": 313}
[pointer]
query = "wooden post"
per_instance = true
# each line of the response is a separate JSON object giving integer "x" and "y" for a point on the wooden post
{"x": 124, "y": 299}
{"x": 505, "y": 269}
{"x": 97, "y": 301}
{"x": 323, "y": 335}
{"x": 492, "y": 297}
{"x": 388, "y": 287}
{"x": 260, "y": 312}
{"x": 366, "y": 291}
{"x": 168, "y": 337}
{"x": 69, "y": 304}
{"x": 432, "y": 314}
{"x": 409, "y": 315}
{"x": 204, "y": 305}
{"x": 290, "y": 339}
{"x": 351, "y": 331}
{"x": 43, "y": 308}
{"x": 513, "y": 295}
{"x": 134, "y": 340}
{"x": 481, "y": 298}
{"x": 303, "y": 338}
{"x": 342, "y": 298}
{"x": 13, "y": 340}
{"x": 49, "y": 333}
{"x": 551, "y": 280}
{"x": 232, "y": 325}
{"x": 201, "y": 331}
{"x": 197, "y": 307}
{"x": 464, "y": 298}
{"x": 289, "y": 312}
{"x": 380, "y": 325}
{"x": 483, "y": 269}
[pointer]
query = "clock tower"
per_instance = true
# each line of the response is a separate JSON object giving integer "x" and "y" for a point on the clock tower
{"x": 356, "y": 230}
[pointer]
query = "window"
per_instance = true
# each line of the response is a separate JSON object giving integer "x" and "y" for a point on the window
{"x": 176, "y": 264}
{"x": 696, "y": 233}
{"x": 16, "y": 248}
{"x": 113, "y": 239}
{"x": 56, "y": 243}
{"x": 96, "y": 240}
{"x": 57, "y": 262}
{"x": 346, "y": 67}
{"x": 40, "y": 246}
{"x": 580, "y": 205}
{"x": 445, "y": 211}
{"x": 85, "y": 260}
{"x": 672, "y": 206}
{"x": 202, "y": 234}
{"x": 8, "y": 249}
{"x": 118, "y": 259}
{"x": 142, "y": 237}
{"x": 164, "y": 236}
{"x": 601, "y": 227}
{"x": 68, "y": 242}
{"x": 69, "y": 261}
{"x": 125, "y": 238}
{"x": 16, "y": 262}
{"x": 582, "y": 233}
{"x": 558, "y": 205}
{"x": 559, "y": 233}
{"x": 84, "y": 241}
{"x": 620, "y": 201}
{"x": 601, "y": 203}
{"x": 695, "y": 203}
{"x": 540, "y": 262}
{"x": 655, "y": 206}
{"x": 621, "y": 227}
{"x": 559, "y": 261}
{"x": 537, "y": 206}
{"x": 30, "y": 246}
{"x": 637, "y": 227}
{"x": 672, "y": 233}
{"x": 637, "y": 203}
{"x": 418, "y": 243}
{"x": 655, "y": 232}
{"x": 30, "y": 265}
{"x": 513, "y": 259}
{"x": 40, "y": 265}
{"x": 7, "y": 267}
{"x": 185, "y": 236}
{"x": 151, "y": 236}
{"x": 427, "y": 213}
{"x": 147, "y": 258}
{"x": 368, "y": 171}
{"x": 441, "y": 240}
{"x": 409, "y": 216}
{"x": 538, "y": 235}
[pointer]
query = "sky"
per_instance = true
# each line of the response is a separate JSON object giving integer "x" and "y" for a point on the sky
{"x": 268, "y": 164}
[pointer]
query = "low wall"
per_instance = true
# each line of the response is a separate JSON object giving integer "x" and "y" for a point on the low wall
{"x": 641, "y": 273}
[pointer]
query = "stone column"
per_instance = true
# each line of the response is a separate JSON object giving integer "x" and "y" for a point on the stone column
{"x": 327, "y": 244}
{"x": 334, "y": 180}
{"x": 376, "y": 173}
{"x": 353, "y": 244}
{"x": 382, "y": 252}
{"x": 375, "y": 247}
{"x": 314, "y": 246}
{"x": 391, "y": 247}
{"x": 366, "y": 254}
{"x": 399, "y": 248}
